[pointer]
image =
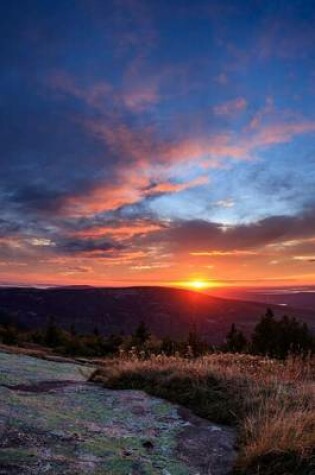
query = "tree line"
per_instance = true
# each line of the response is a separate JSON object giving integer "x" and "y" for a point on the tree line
{"x": 276, "y": 338}
{"x": 273, "y": 337}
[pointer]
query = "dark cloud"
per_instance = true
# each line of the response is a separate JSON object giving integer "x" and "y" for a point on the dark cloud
{"x": 135, "y": 213}
{"x": 86, "y": 246}
{"x": 8, "y": 228}
{"x": 198, "y": 235}
{"x": 38, "y": 198}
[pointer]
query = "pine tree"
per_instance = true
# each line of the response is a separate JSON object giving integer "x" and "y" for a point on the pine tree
{"x": 53, "y": 335}
{"x": 235, "y": 340}
{"x": 265, "y": 335}
{"x": 141, "y": 334}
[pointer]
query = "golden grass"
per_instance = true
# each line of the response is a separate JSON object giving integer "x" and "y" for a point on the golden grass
{"x": 271, "y": 402}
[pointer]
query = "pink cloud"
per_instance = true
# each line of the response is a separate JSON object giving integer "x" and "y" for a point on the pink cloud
{"x": 137, "y": 145}
{"x": 140, "y": 99}
{"x": 169, "y": 187}
{"x": 231, "y": 107}
{"x": 210, "y": 150}
{"x": 134, "y": 97}
{"x": 92, "y": 95}
{"x": 279, "y": 133}
{"x": 143, "y": 146}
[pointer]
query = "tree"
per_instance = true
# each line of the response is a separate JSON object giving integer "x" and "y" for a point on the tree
{"x": 235, "y": 340}
{"x": 141, "y": 334}
{"x": 168, "y": 346}
{"x": 265, "y": 335}
{"x": 111, "y": 345}
{"x": 73, "y": 330}
{"x": 195, "y": 345}
{"x": 279, "y": 338}
{"x": 53, "y": 334}
{"x": 10, "y": 335}
{"x": 293, "y": 337}
{"x": 96, "y": 331}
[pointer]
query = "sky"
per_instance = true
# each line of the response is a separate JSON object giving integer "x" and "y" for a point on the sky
{"x": 157, "y": 142}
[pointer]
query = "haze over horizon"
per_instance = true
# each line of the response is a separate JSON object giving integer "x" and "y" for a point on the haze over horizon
{"x": 163, "y": 142}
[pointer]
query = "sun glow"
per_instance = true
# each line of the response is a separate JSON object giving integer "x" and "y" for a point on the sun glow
{"x": 198, "y": 284}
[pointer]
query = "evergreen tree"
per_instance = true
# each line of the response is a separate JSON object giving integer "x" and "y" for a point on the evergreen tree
{"x": 53, "y": 334}
{"x": 235, "y": 340}
{"x": 279, "y": 338}
{"x": 73, "y": 330}
{"x": 265, "y": 335}
{"x": 10, "y": 335}
{"x": 193, "y": 341}
{"x": 168, "y": 346}
{"x": 141, "y": 335}
{"x": 293, "y": 337}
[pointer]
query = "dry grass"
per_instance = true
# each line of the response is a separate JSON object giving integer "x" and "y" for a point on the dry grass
{"x": 31, "y": 350}
{"x": 271, "y": 402}
{"x": 41, "y": 352}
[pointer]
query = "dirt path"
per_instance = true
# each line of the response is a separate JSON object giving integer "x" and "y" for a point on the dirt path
{"x": 52, "y": 421}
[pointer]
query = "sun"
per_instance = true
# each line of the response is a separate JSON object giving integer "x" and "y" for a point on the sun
{"x": 195, "y": 284}
{"x": 198, "y": 284}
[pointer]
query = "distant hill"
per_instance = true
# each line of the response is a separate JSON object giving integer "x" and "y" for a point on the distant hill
{"x": 303, "y": 298}
{"x": 166, "y": 311}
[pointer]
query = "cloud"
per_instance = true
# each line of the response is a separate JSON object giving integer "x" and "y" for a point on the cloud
{"x": 135, "y": 95}
{"x": 203, "y": 237}
{"x": 95, "y": 95}
{"x": 73, "y": 245}
{"x": 168, "y": 187}
{"x": 304, "y": 258}
{"x": 8, "y": 228}
{"x": 132, "y": 142}
{"x": 72, "y": 270}
{"x": 140, "y": 98}
{"x": 226, "y": 203}
{"x": 277, "y": 133}
{"x": 230, "y": 108}
{"x": 38, "y": 197}
{"x": 234, "y": 252}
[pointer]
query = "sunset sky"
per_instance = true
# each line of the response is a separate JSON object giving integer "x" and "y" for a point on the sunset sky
{"x": 157, "y": 141}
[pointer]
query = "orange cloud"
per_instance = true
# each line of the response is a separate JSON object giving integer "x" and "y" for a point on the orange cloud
{"x": 106, "y": 196}
{"x": 209, "y": 150}
{"x": 131, "y": 188}
{"x": 169, "y": 187}
{"x": 235, "y": 252}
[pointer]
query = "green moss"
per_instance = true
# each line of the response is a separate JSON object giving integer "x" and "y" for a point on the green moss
{"x": 85, "y": 428}
{"x": 16, "y": 455}
{"x": 209, "y": 399}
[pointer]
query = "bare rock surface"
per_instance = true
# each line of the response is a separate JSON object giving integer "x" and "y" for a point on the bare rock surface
{"x": 53, "y": 422}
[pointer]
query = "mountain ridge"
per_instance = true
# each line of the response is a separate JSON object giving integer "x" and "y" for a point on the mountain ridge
{"x": 167, "y": 311}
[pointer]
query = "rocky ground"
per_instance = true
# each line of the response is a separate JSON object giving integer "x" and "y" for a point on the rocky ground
{"x": 52, "y": 421}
